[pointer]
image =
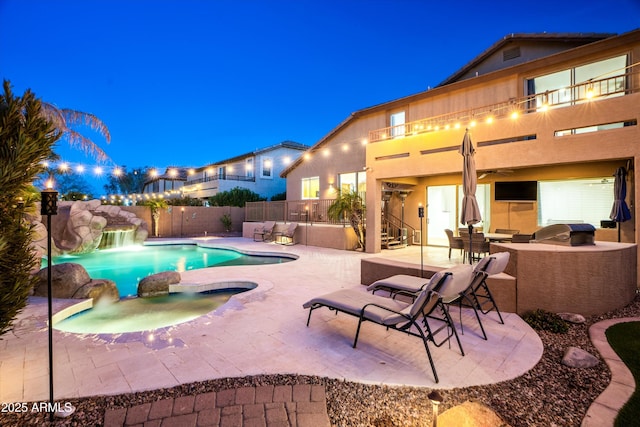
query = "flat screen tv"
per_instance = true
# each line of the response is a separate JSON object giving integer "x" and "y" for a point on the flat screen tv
{"x": 516, "y": 191}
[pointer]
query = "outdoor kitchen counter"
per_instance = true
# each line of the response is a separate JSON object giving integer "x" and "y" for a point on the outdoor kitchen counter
{"x": 589, "y": 279}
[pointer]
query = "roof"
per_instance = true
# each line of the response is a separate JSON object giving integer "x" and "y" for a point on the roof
{"x": 570, "y": 39}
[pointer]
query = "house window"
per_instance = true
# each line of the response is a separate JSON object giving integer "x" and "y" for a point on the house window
{"x": 267, "y": 167}
{"x": 575, "y": 201}
{"x": 555, "y": 89}
{"x": 248, "y": 166}
{"x": 396, "y": 122}
{"x": 311, "y": 188}
{"x": 354, "y": 181}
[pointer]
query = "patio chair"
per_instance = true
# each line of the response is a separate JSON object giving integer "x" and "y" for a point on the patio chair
{"x": 454, "y": 242}
{"x": 408, "y": 317}
{"x": 286, "y": 236}
{"x": 265, "y": 232}
{"x": 479, "y": 245}
{"x": 491, "y": 265}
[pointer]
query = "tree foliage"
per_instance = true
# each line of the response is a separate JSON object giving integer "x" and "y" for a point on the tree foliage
{"x": 235, "y": 197}
{"x": 127, "y": 182}
{"x": 27, "y": 139}
{"x": 350, "y": 206}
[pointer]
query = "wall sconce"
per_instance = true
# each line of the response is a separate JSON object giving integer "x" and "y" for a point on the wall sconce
{"x": 436, "y": 399}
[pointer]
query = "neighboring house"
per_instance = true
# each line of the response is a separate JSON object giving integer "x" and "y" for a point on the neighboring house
{"x": 258, "y": 171}
{"x": 557, "y": 110}
{"x": 169, "y": 184}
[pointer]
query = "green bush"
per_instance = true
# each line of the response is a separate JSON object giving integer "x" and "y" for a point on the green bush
{"x": 226, "y": 222}
{"x": 26, "y": 141}
{"x": 543, "y": 320}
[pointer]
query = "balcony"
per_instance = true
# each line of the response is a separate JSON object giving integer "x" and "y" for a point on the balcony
{"x": 590, "y": 91}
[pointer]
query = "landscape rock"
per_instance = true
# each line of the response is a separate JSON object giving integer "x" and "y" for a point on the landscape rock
{"x": 577, "y": 358}
{"x": 66, "y": 279}
{"x": 99, "y": 290}
{"x": 470, "y": 414}
{"x": 158, "y": 284}
{"x": 572, "y": 317}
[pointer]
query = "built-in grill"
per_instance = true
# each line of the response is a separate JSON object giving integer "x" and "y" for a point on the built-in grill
{"x": 566, "y": 234}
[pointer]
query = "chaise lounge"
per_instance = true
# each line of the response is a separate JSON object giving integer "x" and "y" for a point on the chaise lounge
{"x": 408, "y": 317}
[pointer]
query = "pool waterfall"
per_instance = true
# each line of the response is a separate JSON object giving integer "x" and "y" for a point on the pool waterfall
{"x": 117, "y": 237}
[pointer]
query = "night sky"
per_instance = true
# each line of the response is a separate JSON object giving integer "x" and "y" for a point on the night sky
{"x": 186, "y": 82}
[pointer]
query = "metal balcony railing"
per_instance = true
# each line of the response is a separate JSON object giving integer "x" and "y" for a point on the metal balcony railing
{"x": 592, "y": 90}
{"x": 221, "y": 178}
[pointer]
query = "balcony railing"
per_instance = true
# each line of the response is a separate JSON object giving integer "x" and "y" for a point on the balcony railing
{"x": 221, "y": 178}
{"x": 311, "y": 211}
{"x": 619, "y": 85}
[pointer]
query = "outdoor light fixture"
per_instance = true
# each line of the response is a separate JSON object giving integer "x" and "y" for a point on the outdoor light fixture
{"x": 49, "y": 206}
{"x": 436, "y": 399}
{"x": 420, "y": 216}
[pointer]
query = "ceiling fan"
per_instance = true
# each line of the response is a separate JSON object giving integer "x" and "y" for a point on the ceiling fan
{"x": 503, "y": 172}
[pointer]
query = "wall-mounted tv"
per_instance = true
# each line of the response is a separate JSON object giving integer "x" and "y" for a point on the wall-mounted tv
{"x": 516, "y": 191}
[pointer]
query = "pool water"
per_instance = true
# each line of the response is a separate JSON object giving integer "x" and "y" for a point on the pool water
{"x": 143, "y": 314}
{"x": 127, "y": 266}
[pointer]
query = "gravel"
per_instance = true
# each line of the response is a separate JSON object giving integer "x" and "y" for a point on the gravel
{"x": 550, "y": 394}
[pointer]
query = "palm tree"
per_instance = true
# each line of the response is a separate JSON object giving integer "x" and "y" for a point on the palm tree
{"x": 349, "y": 205}
{"x": 155, "y": 206}
{"x": 64, "y": 118}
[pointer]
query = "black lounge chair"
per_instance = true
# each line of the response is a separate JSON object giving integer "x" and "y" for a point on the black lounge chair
{"x": 409, "y": 317}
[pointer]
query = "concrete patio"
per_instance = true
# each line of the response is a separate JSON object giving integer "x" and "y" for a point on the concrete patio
{"x": 260, "y": 332}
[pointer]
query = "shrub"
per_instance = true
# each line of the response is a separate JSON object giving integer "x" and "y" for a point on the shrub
{"x": 226, "y": 222}
{"x": 543, "y": 320}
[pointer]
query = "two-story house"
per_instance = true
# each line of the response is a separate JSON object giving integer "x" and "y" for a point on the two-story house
{"x": 556, "y": 110}
{"x": 258, "y": 171}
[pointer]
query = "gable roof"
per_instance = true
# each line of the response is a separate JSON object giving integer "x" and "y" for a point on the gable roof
{"x": 284, "y": 144}
{"x": 560, "y": 41}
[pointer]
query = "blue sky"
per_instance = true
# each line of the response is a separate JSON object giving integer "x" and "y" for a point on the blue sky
{"x": 188, "y": 82}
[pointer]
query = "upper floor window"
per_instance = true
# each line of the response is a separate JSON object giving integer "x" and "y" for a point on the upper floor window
{"x": 396, "y": 122}
{"x": 311, "y": 188}
{"x": 267, "y": 167}
{"x": 248, "y": 166}
{"x": 578, "y": 84}
{"x": 222, "y": 172}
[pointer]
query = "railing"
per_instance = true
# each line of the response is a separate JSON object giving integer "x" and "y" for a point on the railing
{"x": 304, "y": 211}
{"x": 221, "y": 178}
{"x": 584, "y": 92}
{"x": 393, "y": 226}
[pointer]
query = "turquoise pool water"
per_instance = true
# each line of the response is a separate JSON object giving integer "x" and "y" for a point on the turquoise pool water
{"x": 127, "y": 266}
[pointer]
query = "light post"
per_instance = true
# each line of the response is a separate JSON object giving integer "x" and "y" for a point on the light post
{"x": 49, "y": 206}
{"x": 306, "y": 228}
{"x": 420, "y": 216}
{"x": 436, "y": 399}
{"x": 181, "y": 220}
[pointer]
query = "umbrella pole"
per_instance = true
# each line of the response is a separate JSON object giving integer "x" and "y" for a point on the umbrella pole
{"x": 470, "y": 244}
{"x": 618, "y": 232}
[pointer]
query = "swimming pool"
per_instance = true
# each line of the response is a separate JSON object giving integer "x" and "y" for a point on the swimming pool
{"x": 128, "y": 265}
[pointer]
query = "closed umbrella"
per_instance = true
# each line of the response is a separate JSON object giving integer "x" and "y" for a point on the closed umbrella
{"x": 470, "y": 212}
{"x": 620, "y": 211}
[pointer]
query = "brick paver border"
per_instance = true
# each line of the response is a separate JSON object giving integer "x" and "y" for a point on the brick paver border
{"x": 300, "y": 405}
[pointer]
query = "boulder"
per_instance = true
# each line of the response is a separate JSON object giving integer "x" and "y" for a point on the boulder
{"x": 99, "y": 290}
{"x": 158, "y": 284}
{"x": 470, "y": 414}
{"x": 577, "y": 358}
{"x": 572, "y": 317}
{"x": 66, "y": 279}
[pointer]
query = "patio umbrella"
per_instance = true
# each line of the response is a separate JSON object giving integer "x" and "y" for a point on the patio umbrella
{"x": 620, "y": 211}
{"x": 470, "y": 212}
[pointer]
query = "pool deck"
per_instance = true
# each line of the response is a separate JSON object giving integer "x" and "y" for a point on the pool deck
{"x": 262, "y": 331}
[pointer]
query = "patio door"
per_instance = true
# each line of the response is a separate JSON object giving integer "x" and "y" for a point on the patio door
{"x": 441, "y": 213}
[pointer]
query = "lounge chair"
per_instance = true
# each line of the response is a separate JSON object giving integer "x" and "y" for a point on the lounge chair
{"x": 286, "y": 236}
{"x": 491, "y": 265}
{"x": 409, "y": 317}
{"x": 264, "y": 233}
